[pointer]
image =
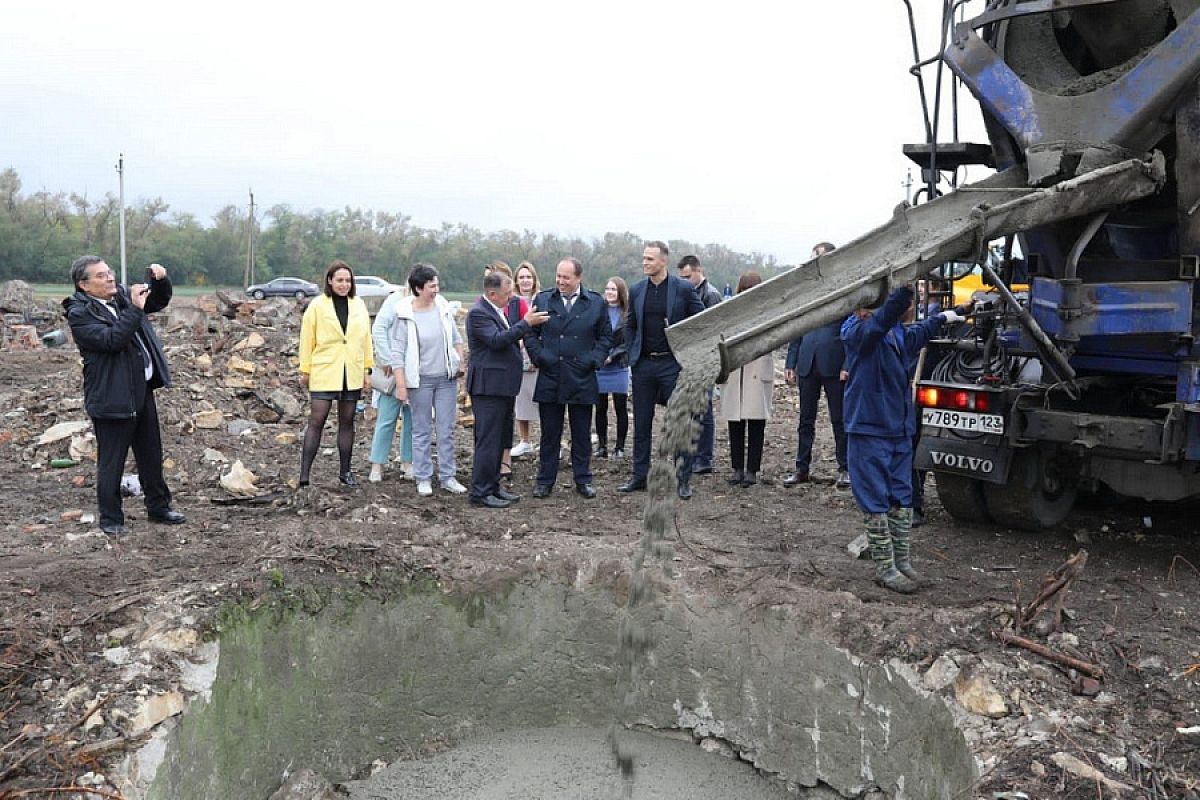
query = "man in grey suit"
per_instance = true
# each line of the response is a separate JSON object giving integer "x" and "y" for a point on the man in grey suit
{"x": 814, "y": 363}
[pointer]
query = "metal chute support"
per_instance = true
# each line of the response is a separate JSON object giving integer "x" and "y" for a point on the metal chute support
{"x": 915, "y": 241}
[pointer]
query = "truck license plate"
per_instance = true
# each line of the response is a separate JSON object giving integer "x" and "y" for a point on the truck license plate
{"x": 962, "y": 420}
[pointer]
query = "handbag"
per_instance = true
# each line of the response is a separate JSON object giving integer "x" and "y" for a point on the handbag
{"x": 384, "y": 384}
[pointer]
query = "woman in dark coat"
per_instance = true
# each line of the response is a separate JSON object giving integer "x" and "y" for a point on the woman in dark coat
{"x": 613, "y": 376}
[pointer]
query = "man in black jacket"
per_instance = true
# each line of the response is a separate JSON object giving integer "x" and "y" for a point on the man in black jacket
{"x": 568, "y": 350}
{"x": 692, "y": 271}
{"x": 655, "y": 303}
{"x": 123, "y": 363}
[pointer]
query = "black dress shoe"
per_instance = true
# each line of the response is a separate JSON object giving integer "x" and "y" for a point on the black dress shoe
{"x": 542, "y": 490}
{"x": 633, "y": 485}
{"x": 736, "y": 478}
{"x": 749, "y": 479}
{"x": 705, "y": 469}
{"x": 685, "y": 490}
{"x": 348, "y": 479}
{"x": 490, "y": 501}
{"x": 797, "y": 478}
{"x": 506, "y": 495}
{"x": 585, "y": 490}
{"x": 168, "y": 517}
{"x": 113, "y": 529}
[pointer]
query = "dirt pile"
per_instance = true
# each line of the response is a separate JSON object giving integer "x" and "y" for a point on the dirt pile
{"x": 102, "y": 641}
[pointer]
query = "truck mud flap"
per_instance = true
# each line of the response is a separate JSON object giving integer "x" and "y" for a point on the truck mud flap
{"x": 983, "y": 462}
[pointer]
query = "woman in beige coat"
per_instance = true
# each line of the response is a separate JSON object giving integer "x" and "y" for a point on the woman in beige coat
{"x": 746, "y": 406}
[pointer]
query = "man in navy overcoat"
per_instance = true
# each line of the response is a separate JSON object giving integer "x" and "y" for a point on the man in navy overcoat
{"x": 568, "y": 350}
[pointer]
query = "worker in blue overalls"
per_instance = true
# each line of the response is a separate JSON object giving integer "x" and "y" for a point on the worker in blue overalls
{"x": 879, "y": 426}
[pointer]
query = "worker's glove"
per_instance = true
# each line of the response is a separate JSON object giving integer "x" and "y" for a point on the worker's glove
{"x": 952, "y": 316}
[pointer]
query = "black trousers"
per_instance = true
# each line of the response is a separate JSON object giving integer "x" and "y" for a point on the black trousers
{"x": 741, "y": 456}
{"x": 114, "y": 438}
{"x": 550, "y": 415}
{"x": 620, "y": 410}
{"x": 810, "y": 396}
{"x": 493, "y": 430}
{"x": 653, "y": 382}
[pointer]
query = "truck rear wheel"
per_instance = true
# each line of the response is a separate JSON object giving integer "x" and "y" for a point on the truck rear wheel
{"x": 1040, "y": 492}
{"x": 961, "y": 497}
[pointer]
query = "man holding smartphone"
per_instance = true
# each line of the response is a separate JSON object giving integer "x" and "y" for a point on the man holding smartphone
{"x": 123, "y": 363}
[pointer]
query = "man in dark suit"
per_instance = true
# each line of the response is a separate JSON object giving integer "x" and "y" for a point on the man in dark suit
{"x": 656, "y": 302}
{"x": 493, "y": 381}
{"x": 814, "y": 363}
{"x": 567, "y": 350}
{"x": 692, "y": 271}
{"x": 123, "y": 363}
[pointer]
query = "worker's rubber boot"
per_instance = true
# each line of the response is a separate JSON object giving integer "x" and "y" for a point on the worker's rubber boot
{"x": 880, "y": 541}
{"x": 900, "y": 527}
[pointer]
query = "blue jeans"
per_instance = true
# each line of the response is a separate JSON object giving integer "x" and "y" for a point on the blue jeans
{"x": 434, "y": 402}
{"x": 385, "y": 430}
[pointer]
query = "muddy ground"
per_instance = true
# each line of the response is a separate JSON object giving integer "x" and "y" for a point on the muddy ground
{"x": 73, "y": 598}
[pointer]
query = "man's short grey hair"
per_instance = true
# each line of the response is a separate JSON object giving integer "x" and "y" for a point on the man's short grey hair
{"x": 79, "y": 268}
{"x": 494, "y": 281}
{"x": 661, "y": 246}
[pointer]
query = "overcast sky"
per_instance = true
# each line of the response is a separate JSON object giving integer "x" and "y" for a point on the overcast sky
{"x": 760, "y": 125}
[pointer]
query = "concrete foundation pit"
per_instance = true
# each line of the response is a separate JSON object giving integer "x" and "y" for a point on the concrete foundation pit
{"x": 510, "y": 693}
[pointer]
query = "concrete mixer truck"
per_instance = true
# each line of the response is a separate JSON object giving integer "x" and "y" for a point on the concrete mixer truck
{"x": 1088, "y": 378}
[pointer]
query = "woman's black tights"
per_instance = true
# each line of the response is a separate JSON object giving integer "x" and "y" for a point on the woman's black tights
{"x": 741, "y": 456}
{"x": 621, "y": 408}
{"x": 312, "y": 434}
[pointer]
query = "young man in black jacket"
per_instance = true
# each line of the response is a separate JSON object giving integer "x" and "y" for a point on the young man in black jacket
{"x": 123, "y": 363}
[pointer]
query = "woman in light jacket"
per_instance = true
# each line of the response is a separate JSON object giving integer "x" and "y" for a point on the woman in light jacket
{"x": 426, "y": 356}
{"x": 390, "y": 409}
{"x": 525, "y": 409}
{"x": 746, "y": 406}
{"x": 335, "y": 354}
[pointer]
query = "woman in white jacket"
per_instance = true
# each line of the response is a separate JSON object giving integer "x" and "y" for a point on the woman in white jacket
{"x": 390, "y": 409}
{"x": 426, "y": 358}
{"x": 746, "y": 406}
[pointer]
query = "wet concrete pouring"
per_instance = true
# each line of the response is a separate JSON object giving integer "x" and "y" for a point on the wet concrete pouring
{"x": 98, "y": 637}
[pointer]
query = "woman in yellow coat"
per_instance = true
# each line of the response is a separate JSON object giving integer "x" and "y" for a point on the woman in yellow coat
{"x": 335, "y": 355}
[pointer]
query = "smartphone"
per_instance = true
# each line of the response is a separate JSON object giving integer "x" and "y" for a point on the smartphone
{"x": 149, "y": 275}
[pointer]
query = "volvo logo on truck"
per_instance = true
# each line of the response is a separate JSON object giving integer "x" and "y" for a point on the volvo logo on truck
{"x": 973, "y": 464}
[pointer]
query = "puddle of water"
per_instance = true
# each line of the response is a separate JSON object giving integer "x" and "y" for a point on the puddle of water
{"x": 567, "y": 764}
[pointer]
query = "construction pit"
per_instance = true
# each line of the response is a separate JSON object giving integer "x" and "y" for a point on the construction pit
{"x": 731, "y": 703}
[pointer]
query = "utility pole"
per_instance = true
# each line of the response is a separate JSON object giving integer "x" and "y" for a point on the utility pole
{"x": 250, "y": 244}
{"x": 121, "y": 184}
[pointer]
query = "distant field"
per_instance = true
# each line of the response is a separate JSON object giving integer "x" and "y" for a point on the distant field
{"x": 57, "y": 291}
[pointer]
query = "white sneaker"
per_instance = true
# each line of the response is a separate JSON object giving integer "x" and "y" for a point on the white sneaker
{"x": 452, "y": 486}
{"x": 425, "y": 488}
{"x": 523, "y": 448}
{"x": 406, "y": 470}
{"x": 376, "y": 473}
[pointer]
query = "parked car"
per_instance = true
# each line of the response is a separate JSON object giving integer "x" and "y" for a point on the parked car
{"x": 283, "y": 287}
{"x": 373, "y": 286}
